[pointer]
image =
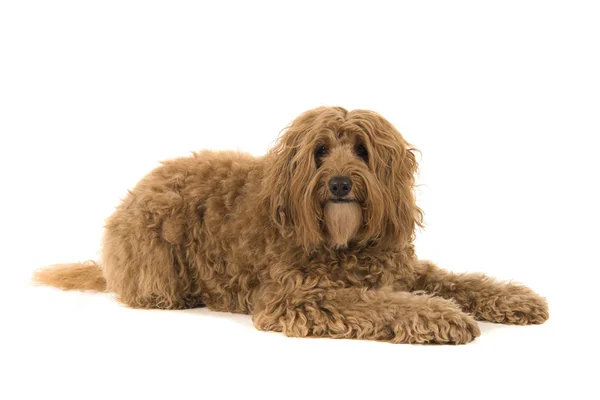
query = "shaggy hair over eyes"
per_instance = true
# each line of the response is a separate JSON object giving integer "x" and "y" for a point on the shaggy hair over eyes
{"x": 313, "y": 239}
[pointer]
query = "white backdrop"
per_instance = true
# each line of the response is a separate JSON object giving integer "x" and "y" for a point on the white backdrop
{"x": 502, "y": 100}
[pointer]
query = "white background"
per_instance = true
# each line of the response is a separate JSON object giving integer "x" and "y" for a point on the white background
{"x": 502, "y": 99}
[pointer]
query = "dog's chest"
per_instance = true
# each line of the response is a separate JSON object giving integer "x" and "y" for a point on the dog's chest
{"x": 352, "y": 271}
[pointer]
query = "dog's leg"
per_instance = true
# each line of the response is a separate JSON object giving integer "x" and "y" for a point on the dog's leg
{"x": 398, "y": 317}
{"x": 146, "y": 273}
{"x": 485, "y": 298}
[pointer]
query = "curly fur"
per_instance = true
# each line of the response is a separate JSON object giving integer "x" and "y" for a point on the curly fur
{"x": 261, "y": 236}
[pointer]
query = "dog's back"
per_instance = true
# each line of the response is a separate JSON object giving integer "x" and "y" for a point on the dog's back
{"x": 179, "y": 239}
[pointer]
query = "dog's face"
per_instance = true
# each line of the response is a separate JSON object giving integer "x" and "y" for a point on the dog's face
{"x": 337, "y": 178}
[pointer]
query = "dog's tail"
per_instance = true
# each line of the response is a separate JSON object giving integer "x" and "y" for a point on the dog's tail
{"x": 78, "y": 276}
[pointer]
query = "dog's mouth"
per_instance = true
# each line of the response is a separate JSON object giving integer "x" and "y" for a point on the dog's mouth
{"x": 339, "y": 201}
{"x": 342, "y": 200}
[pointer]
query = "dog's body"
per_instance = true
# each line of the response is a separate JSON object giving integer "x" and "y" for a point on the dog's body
{"x": 313, "y": 239}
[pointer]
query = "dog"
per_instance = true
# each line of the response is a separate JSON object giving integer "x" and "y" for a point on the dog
{"x": 314, "y": 239}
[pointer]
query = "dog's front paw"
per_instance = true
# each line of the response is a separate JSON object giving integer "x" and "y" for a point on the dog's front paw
{"x": 439, "y": 321}
{"x": 513, "y": 304}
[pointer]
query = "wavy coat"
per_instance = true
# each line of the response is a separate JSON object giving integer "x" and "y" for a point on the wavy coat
{"x": 264, "y": 236}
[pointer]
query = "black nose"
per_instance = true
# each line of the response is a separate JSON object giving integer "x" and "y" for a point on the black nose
{"x": 340, "y": 186}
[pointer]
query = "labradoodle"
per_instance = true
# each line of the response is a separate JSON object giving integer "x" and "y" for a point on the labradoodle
{"x": 313, "y": 239}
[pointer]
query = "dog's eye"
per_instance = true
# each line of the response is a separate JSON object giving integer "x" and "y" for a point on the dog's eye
{"x": 361, "y": 151}
{"x": 321, "y": 151}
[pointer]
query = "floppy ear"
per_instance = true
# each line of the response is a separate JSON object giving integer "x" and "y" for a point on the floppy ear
{"x": 401, "y": 181}
{"x": 395, "y": 165}
{"x": 288, "y": 170}
{"x": 277, "y": 180}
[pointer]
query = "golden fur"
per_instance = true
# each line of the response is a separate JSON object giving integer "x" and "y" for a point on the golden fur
{"x": 262, "y": 236}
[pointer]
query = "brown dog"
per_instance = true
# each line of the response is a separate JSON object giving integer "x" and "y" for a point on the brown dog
{"x": 313, "y": 239}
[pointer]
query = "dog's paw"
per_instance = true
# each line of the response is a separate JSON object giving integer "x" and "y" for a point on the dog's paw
{"x": 437, "y": 321}
{"x": 513, "y": 304}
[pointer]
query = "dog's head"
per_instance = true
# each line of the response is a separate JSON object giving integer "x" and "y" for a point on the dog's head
{"x": 337, "y": 177}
